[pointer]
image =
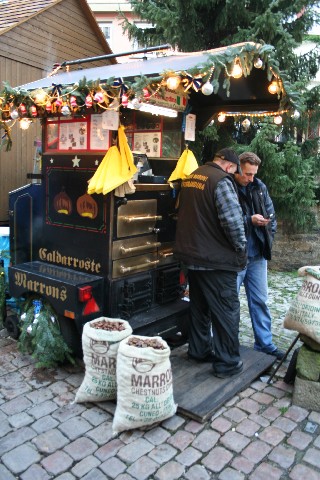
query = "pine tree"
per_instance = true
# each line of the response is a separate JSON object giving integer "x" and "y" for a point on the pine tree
{"x": 191, "y": 25}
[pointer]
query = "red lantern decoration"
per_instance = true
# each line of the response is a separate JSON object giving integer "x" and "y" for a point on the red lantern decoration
{"x": 98, "y": 97}
{"x": 146, "y": 93}
{"x": 23, "y": 109}
{"x": 48, "y": 107}
{"x": 58, "y": 102}
{"x": 124, "y": 100}
{"x": 88, "y": 101}
{"x": 73, "y": 101}
{"x": 33, "y": 111}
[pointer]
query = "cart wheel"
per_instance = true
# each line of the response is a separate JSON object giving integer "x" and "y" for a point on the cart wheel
{"x": 12, "y": 326}
{"x": 71, "y": 335}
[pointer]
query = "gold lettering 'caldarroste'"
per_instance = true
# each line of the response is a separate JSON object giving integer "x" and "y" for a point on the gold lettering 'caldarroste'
{"x": 54, "y": 256}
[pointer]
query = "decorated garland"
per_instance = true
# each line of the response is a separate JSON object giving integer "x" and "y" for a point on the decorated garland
{"x": 40, "y": 335}
{"x": 95, "y": 96}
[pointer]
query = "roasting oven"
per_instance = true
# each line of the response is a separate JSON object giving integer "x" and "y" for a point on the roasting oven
{"x": 119, "y": 248}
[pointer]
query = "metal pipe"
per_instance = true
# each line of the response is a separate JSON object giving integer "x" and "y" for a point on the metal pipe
{"x": 113, "y": 55}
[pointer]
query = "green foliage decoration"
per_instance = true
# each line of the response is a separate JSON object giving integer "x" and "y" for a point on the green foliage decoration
{"x": 40, "y": 335}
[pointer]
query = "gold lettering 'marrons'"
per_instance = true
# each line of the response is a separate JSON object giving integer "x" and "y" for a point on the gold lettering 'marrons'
{"x": 22, "y": 280}
{"x": 87, "y": 264}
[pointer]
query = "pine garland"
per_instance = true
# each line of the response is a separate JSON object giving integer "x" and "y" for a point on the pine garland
{"x": 40, "y": 335}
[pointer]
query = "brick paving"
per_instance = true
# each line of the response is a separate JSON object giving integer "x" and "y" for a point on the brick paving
{"x": 256, "y": 435}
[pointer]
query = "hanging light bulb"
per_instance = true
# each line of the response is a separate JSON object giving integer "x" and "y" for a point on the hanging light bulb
{"x": 173, "y": 82}
{"x": 258, "y": 63}
{"x": 221, "y": 117}
{"x": 277, "y": 120}
{"x": 273, "y": 87}
{"x": 246, "y": 124}
{"x": 237, "y": 69}
{"x": 40, "y": 97}
{"x": 296, "y": 114}
{"x": 207, "y": 88}
{"x": 25, "y": 123}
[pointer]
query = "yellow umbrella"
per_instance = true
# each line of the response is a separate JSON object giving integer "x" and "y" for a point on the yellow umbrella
{"x": 116, "y": 168}
{"x": 186, "y": 164}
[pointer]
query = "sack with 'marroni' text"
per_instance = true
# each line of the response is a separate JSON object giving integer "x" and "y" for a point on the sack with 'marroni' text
{"x": 144, "y": 383}
{"x": 100, "y": 342}
{"x": 304, "y": 312}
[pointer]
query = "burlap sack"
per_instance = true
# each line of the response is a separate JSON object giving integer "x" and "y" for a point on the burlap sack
{"x": 304, "y": 312}
{"x": 144, "y": 385}
{"x": 100, "y": 348}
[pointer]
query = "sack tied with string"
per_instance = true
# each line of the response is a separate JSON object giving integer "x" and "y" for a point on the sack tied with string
{"x": 304, "y": 312}
{"x": 100, "y": 342}
{"x": 144, "y": 383}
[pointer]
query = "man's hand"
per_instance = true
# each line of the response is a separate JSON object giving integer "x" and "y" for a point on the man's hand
{"x": 259, "y": 221}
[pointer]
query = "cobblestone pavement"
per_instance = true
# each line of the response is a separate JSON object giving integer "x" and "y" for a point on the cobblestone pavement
{"x": 257, "y": 435}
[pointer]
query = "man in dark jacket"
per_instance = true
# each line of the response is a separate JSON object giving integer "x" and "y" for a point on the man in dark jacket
{"x": 211, "y": 242}
{"x": 261, "y": 225}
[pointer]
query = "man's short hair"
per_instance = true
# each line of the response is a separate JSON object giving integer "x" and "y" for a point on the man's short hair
{"x": 249, "y": 157}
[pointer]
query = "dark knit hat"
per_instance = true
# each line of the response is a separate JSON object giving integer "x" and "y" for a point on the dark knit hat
{"x": 230, "y": 156}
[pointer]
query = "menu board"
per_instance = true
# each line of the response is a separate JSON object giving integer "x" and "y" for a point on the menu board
{"x": 148, "y": 143}
{"x": 99, "y": 135}
{"x": 73, "y": 136}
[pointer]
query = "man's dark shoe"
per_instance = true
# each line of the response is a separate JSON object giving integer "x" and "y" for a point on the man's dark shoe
{"x": 207, "y": 359}
{"x": 237, "y": 369}
{"x": 279, "y": 354}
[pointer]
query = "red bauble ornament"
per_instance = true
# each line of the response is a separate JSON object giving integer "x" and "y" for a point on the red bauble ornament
{"x": 124, "y": 100}
{"x": 58, "y": 102}
{"x": 48, "y": 107}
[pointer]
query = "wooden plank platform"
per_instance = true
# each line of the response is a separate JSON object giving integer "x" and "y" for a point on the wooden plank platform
{"x": 199, "y": 393}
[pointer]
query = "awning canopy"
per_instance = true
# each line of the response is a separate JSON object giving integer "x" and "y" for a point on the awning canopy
{"x": 246, "y": 94}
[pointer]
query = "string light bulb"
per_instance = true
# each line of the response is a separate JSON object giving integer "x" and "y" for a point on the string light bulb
{"x": 221, "y": 117}
{"x": 173, "y": 82}
{"x": 273, "y": 87}
{"x": 25, "y": 123}
{"x": 277, "y": 120}
{"x": 258, "y": 63}
{"x": 246, "y": 124}
{"x": 237, "y": 69}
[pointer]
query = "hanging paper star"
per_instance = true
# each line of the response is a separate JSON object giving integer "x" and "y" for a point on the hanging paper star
{"x": 76, "y": 161}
